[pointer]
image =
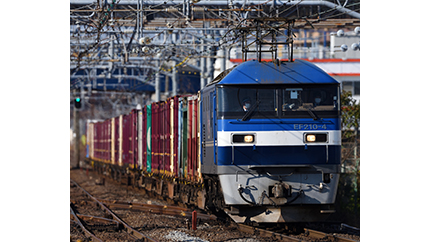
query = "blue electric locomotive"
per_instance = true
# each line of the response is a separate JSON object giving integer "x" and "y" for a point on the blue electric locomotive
{"x": 271, "y": 142}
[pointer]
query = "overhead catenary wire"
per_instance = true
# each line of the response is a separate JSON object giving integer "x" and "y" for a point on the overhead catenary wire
{"x": 89, "y": 44}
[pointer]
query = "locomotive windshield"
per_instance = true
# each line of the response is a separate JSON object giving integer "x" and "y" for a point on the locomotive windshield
{"x": 241, "y": 102}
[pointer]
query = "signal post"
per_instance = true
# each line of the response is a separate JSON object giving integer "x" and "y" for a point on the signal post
{"x": 76, "y": 155}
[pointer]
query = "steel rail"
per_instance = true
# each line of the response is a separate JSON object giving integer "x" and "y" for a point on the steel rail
{"x": 98, "y": 219}
{"x": 86, "y": 231}
{"x": 159, "y": 209}
{"x": 319, "y": 235}
{"x": 265, "y": 233}
{"x": 129, "y": 229}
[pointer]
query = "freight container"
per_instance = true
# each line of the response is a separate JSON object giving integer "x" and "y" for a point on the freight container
{"x": 148, "y": 136}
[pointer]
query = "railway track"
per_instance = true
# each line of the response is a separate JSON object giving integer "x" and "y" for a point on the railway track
{"x": 86, "y": 231}
{"x": 162, "y": 209}
{"x": 131, "y": 231}
{"x": 266, "y": 233}
{"x": 117, "y": 224}
{"x": 158, "y": 209}
{"x": 310, "y": 234}
{"x": 330, "y": 237}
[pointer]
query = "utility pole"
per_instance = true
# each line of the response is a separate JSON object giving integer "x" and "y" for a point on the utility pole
{"x": 157, "y": 83}
{"x": 202, "y": 68}
{"x": 174, "y": 80}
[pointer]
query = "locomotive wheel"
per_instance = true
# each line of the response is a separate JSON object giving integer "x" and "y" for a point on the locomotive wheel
{"x": 214, "y": 196}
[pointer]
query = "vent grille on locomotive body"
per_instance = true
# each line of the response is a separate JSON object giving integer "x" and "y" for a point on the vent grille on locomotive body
{"x": 277, "y": 162}
{"x": 289, "y": 169}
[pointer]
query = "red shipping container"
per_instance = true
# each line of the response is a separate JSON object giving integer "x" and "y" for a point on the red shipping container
{"x": 112, "y": 140}
{"x": 144, "y": 138}
{"x": 98, "y": 139}
{"x": 126, "y": 140}
{"x": 165, "y": 138}
{"x": 134, "y": 140}
{"x": 156, "y": 140}
{"x": 174, "y": 135}
{"x": 192, "y": 139}
{"x": 106, "y": 141}
{"x": 95, "y": 141}
{"x": 118, "y": 140}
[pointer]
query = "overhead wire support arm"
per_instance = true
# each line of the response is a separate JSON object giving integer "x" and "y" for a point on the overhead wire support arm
{"x": 260, "y": 28}
{"x": 105, "y": 35}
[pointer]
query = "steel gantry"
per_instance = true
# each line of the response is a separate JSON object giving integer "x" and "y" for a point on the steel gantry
{"x": 142, "y": 51}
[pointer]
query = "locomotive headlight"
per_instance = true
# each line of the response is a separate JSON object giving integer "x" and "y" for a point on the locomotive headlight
{"x": 243, "y": 138}
{"x": 310, "y": 138}
{"x": 248, "y": 138}
{"x": 315, "y": 138}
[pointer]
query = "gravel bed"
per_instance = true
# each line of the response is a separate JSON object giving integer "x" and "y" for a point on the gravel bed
{"x": 163, "y": 228}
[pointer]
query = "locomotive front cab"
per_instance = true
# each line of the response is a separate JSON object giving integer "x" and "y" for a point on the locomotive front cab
{"x": 278, "y": 101}
{"x": 278, "y": 125}
{"x": 278, "y": 142}
{"x": 283, "y": 143}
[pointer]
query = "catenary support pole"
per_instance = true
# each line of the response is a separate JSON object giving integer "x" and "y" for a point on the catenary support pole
{"x": 174, "y": 80}
{"x": 202, "y": 70}
{"x": 76, "y": 155}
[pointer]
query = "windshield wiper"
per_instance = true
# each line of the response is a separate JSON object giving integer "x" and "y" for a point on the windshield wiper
{"x": 308, "y": 108}
{"x": 247, "y": 114}
{"x": 313, "y": 115}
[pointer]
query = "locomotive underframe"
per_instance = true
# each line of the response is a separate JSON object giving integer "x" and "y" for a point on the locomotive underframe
{"x": 268, "y": 203}
{"x": 315, "y": 182}
{"x": 284, "y": 214}
{"x": 279, "y": 194}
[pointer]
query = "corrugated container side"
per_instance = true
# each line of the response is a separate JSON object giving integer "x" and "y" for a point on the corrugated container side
{"x": 115, "y": 137}
{"x": 140, "y": 139}
{"x": 112, "y": 141}
{"x": 198, "y": 127}
{"x": 148, "y": 136}
{"x": 174, "y": 135}
{"x": 156, "y": 141}
{"x": 89, "y": 139}
{"x": 120, "y": 140}
{"x": 100, "y": 141}
{"x": 184, "y": 140}
{"x": 95, "y": 141}
{"x": 126, "y": 145}
{"x": 189, "y": 141}
{"x": 134, "y": 140}
{"x": 165, "y": 153}
{"x": 106, "y": 141}
{"x": 195, "y": 138}
{"x": 192, "y": 139}
{"x": 180, "y": 125}
{"x": 161, "y": 126}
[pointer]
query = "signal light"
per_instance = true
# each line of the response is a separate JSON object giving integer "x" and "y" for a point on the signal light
{"x": 77, "y": 103}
